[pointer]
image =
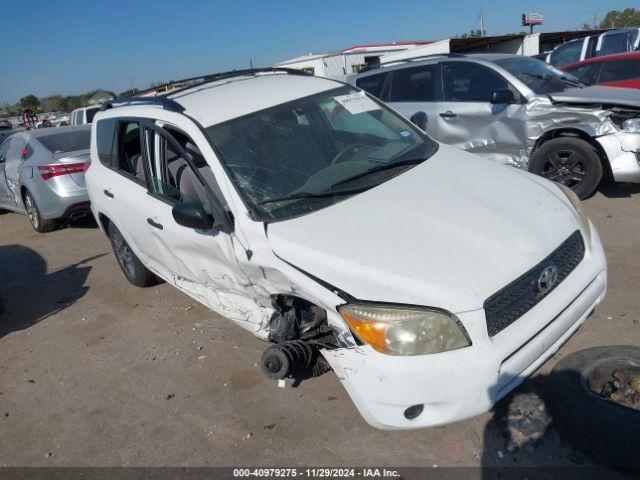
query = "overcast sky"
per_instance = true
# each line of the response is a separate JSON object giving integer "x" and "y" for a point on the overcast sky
{"x": 72, "y": 46}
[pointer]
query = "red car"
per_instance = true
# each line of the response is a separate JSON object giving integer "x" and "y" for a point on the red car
{"x": 622, "y": 70}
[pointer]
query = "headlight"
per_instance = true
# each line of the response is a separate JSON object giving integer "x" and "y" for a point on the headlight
{"x": 632, "y": 125}
{"x": 626, "y": 123}
{"x": 577, "y": 204}
{"x": 397, "y": 330}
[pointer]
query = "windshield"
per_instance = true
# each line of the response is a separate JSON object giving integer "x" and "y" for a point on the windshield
{"x": 539, "y": 76}
{"x": 310, "y": 153}
{"x": 66, "y": 141}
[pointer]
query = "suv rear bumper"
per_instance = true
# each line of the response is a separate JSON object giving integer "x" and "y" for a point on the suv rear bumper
{"x": 464, "y": 383}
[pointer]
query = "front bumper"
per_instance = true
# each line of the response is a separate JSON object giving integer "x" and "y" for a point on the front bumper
{"x": 464, "y": 383}
{"x": 623, "y": 152}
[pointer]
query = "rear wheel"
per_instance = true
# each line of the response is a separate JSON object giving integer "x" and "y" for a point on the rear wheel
{"x": 570, "y": 161}
{"x": 38, "y": 223}
{"x": 131, "y": 266}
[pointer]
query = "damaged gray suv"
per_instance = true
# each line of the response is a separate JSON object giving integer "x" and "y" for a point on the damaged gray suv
{"x": 519, "y": 111}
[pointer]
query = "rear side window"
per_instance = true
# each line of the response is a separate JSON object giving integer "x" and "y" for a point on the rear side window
{"x": 614, "y": 43}
{"x": 372, "y": 84}
{"x": 469, "y": 82}
{"x": 105, "y": 133}
{"x": 416, "y": 84}
{"x": 615, "y": 70}
{"x": 91, "y": 112}
{"x": 128, "y": 152}
{"x": 568, "y": 53}
{"x": 66, "y": 141}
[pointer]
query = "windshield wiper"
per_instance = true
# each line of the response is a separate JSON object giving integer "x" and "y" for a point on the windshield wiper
{"x": 378, "y": 168}
{"x": 324, "y": 194}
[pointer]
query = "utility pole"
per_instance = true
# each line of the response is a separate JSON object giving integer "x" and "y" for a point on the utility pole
{"x": 482, "y": 32}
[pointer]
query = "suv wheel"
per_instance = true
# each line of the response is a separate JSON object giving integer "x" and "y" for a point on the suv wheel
{"x": 38, "y": 223}
{"x": 131, "y": 266}
{"x": 570, "y": 161}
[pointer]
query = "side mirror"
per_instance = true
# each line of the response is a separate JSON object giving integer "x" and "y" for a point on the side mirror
{"x": 191, "y": 215}
{"x": 504, "y": 95}
{"x": 419, "y": 119}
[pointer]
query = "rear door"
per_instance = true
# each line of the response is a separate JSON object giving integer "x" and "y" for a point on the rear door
{"x": 201, "y": 262}
{"x": 466, "y": 117}
{"x": 5, "y": 194}
{"x": 123, "y": 185}
{"x": 415, "y": 89}
{"x": 13, "y": 167}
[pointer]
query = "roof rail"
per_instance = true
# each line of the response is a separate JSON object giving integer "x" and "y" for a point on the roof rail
{"x": 214, "y": 77}
{"x": 413, "y": 59}
{"x": 163, "y": 102}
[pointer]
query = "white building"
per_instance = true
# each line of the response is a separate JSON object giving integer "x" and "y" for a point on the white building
{"x": 340, "y": 65}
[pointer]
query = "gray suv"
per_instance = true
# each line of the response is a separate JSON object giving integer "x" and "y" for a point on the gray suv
{"x": 519, "y": 111}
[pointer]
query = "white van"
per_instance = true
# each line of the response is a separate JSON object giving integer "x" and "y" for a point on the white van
{"x": 83, "y": 115}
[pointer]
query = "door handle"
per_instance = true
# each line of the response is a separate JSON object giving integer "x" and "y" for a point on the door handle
{"x": 154, "y": 224}
{"x": 108, "y": 193}
{"x": 448, "y": 114}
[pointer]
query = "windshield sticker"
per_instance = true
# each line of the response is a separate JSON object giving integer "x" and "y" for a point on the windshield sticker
{"x": 405, "y": 133}
{"x": 356, "y": 103}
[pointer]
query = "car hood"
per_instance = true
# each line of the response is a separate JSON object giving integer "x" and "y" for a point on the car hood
{"x": 447, "y": 233}
{"x": 623, "y": 97}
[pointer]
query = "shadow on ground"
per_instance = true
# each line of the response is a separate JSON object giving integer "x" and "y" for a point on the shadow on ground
{"x": 30, "y": 294}
{"x": 619, "y": 190}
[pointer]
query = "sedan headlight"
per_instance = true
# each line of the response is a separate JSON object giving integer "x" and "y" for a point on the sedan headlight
{"x": 577, "y": 204}
{"x": 398, "y": 330}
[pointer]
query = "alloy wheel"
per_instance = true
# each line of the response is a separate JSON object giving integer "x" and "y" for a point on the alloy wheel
{"x": 566, "y": 167}
{"x": 32, "y": 211}
{"x": 124, "y": 255}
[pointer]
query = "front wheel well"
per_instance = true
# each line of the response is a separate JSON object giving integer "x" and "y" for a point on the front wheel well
{"x": 576, "y": 133}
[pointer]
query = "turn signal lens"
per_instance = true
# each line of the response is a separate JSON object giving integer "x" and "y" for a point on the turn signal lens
{"x": 398, "y": 330}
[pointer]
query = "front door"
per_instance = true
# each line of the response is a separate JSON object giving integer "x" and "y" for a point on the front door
{"x": 202, "y": 262}
{"x": 467, "y": 119}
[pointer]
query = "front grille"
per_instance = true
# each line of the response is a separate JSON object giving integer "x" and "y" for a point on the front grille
{"x": 511, "y": 302}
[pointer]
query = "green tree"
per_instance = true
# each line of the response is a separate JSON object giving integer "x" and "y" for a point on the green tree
{"x": 30, "y": 102}
{"x": 476, "y": 33}
{"x": 629, "y": 17}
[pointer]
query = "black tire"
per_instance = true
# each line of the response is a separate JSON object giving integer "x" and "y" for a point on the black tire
{"x": 130, "y": 264}
{"x": 38, "y": 223}
{"x": 607, "y": 431}
{"x": 570, "y": 161}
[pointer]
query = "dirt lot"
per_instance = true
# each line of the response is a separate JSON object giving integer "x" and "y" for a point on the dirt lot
{"x": 96, "y": 372}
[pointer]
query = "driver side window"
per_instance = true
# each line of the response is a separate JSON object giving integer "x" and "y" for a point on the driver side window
{"x": 169, "y": 163}
{"x": 469, "y": 82}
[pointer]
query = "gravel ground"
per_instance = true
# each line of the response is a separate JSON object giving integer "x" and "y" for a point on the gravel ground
{"x": 96, "y": 372}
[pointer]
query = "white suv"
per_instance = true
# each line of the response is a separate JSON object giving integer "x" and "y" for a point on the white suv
{"x": 309, "y": 213}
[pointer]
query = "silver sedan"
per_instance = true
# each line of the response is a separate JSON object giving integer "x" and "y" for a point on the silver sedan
{"x": 42, "y": 174}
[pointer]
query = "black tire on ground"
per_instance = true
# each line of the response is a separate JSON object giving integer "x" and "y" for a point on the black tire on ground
{"x": 131, "y": 266}
{"x": 38, "y": 223}
{"x": 607, "y": 431}
{"x": 570, "y": 161}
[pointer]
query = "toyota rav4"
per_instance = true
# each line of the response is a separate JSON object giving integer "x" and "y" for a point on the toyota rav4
{"x": 309, "y": 213}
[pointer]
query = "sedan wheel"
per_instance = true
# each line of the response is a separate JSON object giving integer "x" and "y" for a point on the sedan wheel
{"x": 38, "y": 223}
